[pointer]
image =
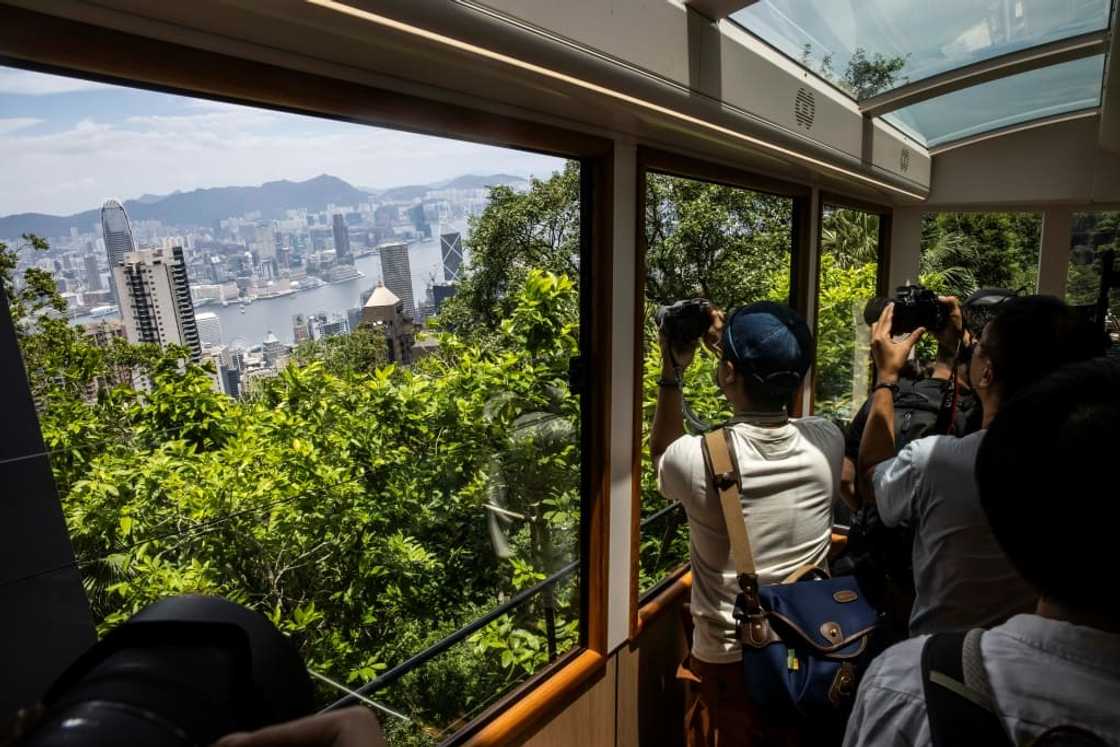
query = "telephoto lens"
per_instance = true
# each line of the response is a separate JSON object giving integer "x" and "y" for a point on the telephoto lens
{"x": 183, "y": 671}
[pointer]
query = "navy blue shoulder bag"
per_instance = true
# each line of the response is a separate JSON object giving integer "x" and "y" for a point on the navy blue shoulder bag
{"x": 807, "y": 640}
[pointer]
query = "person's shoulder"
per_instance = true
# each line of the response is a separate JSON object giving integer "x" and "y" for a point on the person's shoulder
{"x": 817, "y": 425}
{"x": 685, "y": 449}
{"x": 943, "y": 451}
{"x": 898, "y": 669}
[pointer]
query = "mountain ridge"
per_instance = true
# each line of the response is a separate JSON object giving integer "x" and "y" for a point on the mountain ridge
{"x": 206, "y": 206}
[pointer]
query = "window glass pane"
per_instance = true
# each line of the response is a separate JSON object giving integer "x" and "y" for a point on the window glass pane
{"x": 847, "y": 281}
{"x": 725, "y": 244}
{"x": 963, "y": 252}
{"x": 1048, "y": 91}
{"x": 338, "y": 398}
{"x": 870, "y": 47}
{"x": 1094, "y": 236}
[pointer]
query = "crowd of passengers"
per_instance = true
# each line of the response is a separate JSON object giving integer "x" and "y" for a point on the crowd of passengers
{"x": 981, "y": 494}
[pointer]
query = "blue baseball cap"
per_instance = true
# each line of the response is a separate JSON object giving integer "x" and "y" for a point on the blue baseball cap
{"x": 770, "y": 342}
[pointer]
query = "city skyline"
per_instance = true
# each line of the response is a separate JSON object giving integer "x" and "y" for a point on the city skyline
{"x": 71, "y": 144}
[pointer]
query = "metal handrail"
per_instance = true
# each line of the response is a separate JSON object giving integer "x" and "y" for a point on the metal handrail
{"x": 418, "y": 660}
{"x": 434, "y": 650}
{"x": 661, "y": 512}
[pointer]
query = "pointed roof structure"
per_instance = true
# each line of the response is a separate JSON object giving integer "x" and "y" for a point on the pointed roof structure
{"x": 382, "y": 296}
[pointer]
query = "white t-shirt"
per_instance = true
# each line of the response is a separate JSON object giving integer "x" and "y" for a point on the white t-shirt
{"x": 962, "y": 578}
{"x": 1043, "y": 673}
{"x": 791, "y": 476}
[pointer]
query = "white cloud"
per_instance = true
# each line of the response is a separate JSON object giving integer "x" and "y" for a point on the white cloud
{"x": 77, "y": 169}
{"x": 28, "y": 83}
{"x": 17, "y": 123}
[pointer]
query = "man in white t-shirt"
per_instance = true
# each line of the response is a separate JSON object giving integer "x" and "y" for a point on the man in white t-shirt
{"x": 790, "y": 473}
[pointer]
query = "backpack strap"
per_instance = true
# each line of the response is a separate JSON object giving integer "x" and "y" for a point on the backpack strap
{"x": 959, "y": 701}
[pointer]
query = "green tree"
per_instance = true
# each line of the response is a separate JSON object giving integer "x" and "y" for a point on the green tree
{"x": 362, "y": 351}
{"x": 518, "y": 232}
{"x": 997, "y": 249}
{"x": 721, "y": 243}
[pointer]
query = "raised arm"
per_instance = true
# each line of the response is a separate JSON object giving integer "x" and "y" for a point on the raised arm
{"x": 877, "y": 444}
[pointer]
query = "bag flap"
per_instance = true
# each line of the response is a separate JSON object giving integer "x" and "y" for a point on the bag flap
{"x": 832, "y": 616}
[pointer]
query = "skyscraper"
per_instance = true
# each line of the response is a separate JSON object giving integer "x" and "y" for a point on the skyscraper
{"x": 451, "y": 247}
{"x": 155, "y": 299}
{"x": 209, "y": 328}
{"x": 118, "y": 238}
{"x": 93, "y": 275}
{"x": 397, "y": 274}
{"x": 342, "y": 251}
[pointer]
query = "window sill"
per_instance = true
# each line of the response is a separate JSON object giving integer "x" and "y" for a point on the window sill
{"x": 537, "y": 704}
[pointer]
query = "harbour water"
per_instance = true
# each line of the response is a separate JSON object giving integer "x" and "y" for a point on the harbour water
{"x": 251, "y": 326}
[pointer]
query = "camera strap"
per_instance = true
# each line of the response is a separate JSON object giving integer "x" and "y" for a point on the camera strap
{"x": 947, "y": 414}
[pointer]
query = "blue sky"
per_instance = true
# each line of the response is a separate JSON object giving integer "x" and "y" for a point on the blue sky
{"x": 67, "y": 145}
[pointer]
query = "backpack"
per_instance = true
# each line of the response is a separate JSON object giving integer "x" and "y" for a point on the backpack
{"x": 805, "y": 641}
{"x": 959, "y": 702}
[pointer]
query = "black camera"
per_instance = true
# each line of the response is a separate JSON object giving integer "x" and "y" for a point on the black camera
{"x": 183, "y": 671}
{"x": 915, "y": 306}
{"x": 684, "y": 322}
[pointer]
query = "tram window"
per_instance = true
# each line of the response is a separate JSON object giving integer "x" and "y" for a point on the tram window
{"x": 848, "y": 278}
{"x": 731, "y": 246}
{"x": 365, "y": 430}
{"x": 1094, "y": 234}
{"x": 962, "y": 252}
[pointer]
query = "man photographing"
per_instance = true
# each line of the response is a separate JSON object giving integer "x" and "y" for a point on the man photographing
{"x": 962, "y": 577}
{"x": 790, "y": 476}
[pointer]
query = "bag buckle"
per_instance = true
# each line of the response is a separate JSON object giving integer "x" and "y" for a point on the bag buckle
{"x": 725, "y": 480}
{"x": 748, "y": 583}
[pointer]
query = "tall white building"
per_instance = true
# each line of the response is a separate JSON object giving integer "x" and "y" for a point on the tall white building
{"x": 155, "y": 299}
{"x": 209, "y": 328}
{"x": 397, "y": 275}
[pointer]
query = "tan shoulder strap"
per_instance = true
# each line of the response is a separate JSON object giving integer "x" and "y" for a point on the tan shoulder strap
{"x": 724, "y": 475}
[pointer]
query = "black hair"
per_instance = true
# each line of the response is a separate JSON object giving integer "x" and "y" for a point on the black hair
{"x": 1046, "y": 474}
{"x": 1032, "y": 336}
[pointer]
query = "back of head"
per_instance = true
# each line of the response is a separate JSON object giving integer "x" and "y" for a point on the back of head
{"x": 1034, "y": 335}
{"x": 1047, "y": 478}
{"x": 771, "y": 347}
{"x": 982, "y": 306}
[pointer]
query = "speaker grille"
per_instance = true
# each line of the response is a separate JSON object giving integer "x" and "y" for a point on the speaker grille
{"x": 804, "y": 108}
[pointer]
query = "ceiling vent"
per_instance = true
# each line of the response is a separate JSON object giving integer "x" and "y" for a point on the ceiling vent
{"x": 904, "y": 160}
{"x": 804, "y": 108}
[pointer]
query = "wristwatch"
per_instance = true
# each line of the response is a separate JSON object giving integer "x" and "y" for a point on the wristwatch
{"x": 669, "y": 383}
{"x": 884, "y": 385}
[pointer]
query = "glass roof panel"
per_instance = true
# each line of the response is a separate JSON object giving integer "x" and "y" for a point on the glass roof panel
{"x": 870, "y": 46}
{"x": 1044, "y": 92}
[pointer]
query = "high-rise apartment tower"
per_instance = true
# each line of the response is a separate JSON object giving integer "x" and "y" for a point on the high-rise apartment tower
{"x": 155, "y": 299}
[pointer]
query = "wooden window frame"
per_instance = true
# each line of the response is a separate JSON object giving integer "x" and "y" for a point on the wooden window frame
{"x": 882, "y": 260}
{"x": 55, "y": 45}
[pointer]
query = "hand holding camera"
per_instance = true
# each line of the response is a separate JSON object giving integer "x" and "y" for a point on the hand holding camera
{"x": 891, "y": 350}
{"x": 683, "y": 325}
